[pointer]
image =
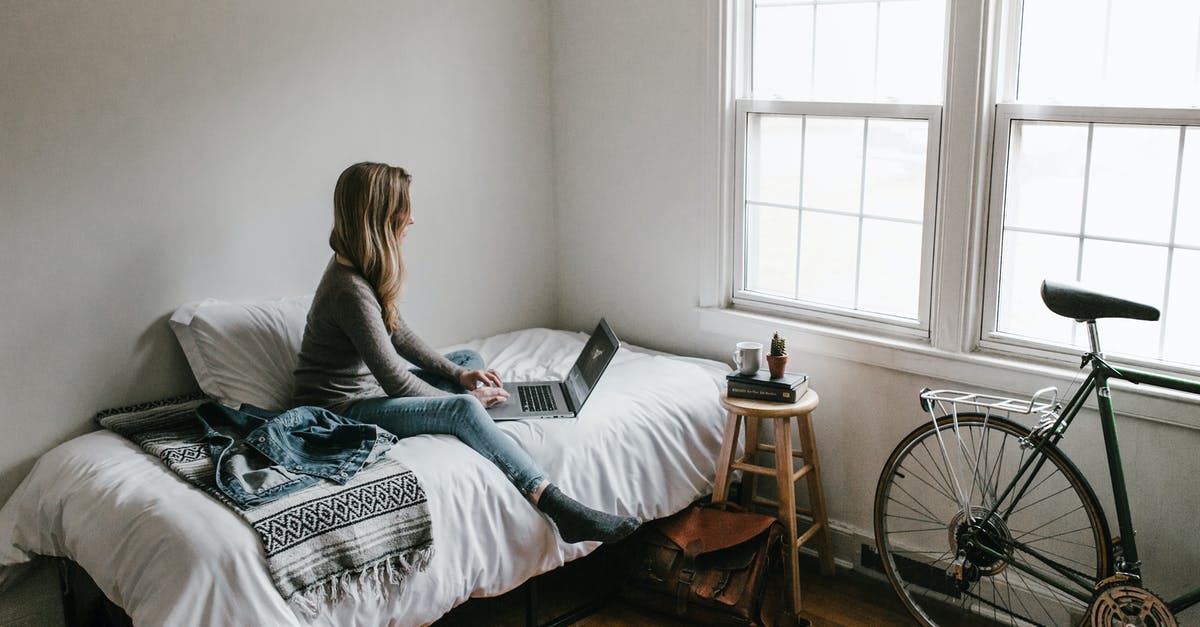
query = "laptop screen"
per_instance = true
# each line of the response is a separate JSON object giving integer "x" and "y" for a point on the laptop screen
{"x": 596, "y": 354}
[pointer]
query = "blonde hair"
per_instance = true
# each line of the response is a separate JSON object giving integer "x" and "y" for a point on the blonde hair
{"x": 371, "y": 207}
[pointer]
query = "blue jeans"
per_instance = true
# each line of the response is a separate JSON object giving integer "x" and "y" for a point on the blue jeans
{"x": 461, "y": 416}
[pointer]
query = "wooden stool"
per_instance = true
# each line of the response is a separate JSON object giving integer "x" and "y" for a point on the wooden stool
{"x": 754, "y": 412}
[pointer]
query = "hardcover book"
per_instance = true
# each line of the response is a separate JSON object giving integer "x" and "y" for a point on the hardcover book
{"x": 789, "y": 380}
{"x": 786, "y": 389}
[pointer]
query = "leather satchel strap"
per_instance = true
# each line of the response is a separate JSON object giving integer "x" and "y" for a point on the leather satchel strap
{"x": 700, "y": 530}
{"x": 687, "y": 574}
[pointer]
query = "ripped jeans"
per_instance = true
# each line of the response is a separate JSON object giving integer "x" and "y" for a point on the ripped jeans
{"x": 461, "y": 416}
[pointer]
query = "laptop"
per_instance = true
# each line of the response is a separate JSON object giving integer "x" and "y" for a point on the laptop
{"x": 561, "y": 399}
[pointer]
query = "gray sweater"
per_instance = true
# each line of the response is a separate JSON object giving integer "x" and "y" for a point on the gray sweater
{"x": 347, "y": 353}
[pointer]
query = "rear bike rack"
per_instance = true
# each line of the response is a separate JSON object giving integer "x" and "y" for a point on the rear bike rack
{"x": 947, "y": 401}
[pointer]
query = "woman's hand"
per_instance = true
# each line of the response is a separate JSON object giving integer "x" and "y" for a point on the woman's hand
{"x": 472, "y": 379}
{"x": 484, "y": 385}
{"x": 490, "y": 396}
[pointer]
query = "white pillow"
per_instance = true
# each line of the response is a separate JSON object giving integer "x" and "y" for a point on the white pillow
{"x": 243, "y": 353}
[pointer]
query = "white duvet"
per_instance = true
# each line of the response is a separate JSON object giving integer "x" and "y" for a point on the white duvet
{"x": 644, "y": 445}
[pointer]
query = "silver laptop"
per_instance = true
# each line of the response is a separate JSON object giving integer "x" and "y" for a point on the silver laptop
{"x": 561, "y": 399}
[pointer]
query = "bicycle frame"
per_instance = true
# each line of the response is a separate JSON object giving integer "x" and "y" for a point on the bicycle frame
{"x": 1097, "y": 381}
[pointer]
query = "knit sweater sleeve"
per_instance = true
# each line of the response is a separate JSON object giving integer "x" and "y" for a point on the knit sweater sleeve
{"x": 362, "y": 322}
{"x": 415, "y": 350}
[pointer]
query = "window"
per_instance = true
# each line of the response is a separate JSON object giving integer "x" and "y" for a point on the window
{"x": 917, "y": 167}
{"x": 838, "y": 148}
{"x": 1096, "y": 177}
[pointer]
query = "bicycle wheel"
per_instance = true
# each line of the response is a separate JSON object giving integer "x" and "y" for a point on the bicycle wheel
{"x": 953, "y": 564}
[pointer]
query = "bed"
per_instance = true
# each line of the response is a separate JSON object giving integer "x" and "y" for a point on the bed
{"x": 168, "y": 554}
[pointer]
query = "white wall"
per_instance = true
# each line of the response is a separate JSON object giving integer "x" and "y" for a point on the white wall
{"x": 635, "y": 128}
{"x": 153, "y": 153}
{"x": 161, "y": 152}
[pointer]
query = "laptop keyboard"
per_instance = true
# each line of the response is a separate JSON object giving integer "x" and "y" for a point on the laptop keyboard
{"x": 536, "y": 398}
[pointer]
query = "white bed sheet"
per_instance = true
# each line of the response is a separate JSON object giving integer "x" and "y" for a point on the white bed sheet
{"x": 644, "y": 445}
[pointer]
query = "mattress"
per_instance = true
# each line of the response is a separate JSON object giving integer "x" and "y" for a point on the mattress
{"x": 645, "y": 445}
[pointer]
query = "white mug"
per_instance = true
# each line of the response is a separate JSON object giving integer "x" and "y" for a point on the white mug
{"x": 748, "y": 357}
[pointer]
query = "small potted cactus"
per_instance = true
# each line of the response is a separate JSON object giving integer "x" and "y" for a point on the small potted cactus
{"x": 777, "y": 360}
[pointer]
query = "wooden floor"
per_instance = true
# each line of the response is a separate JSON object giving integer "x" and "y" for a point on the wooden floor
{"x": 844, "y": 600}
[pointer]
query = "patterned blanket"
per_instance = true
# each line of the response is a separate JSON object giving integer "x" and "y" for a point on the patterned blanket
{"x": 321, "y": 544}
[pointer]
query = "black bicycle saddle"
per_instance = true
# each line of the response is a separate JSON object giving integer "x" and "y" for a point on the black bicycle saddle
{"x": 1074, "y": 301}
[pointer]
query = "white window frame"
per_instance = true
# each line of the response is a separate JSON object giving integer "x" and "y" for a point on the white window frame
{"x": 991, "y": 339}
{"x": 741, "y": 19}
{"x": 932, "y": 115}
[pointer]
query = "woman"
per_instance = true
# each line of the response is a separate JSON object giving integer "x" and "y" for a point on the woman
{"x": 350, "y": 358}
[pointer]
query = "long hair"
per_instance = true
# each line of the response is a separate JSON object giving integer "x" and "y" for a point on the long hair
{"x": 371, "y": 206}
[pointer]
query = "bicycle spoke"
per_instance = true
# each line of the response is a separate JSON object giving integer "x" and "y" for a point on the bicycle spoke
{"x": 1058, "y": 537}
{"x": 987, "y": 489}
{"x": 919, "y": 530}
{"x": 1039, "y": 552}
{"x": 925, "y": 520}
{"x": 1027, "y": 506}
{"x": 1049, "y": 522}
{"x": 948, "y": 483}
{"x": 1008, "y": 584}
{"x": 1008, "y": 593}
{"x": 1038, "y": 599}
{"x": 1010, "y": 615}
{"x": 906, "y": 506}
{"x": 1056, "y": 594}
{"x": 976, "y": 478}
{"x": 935, "y": 488}
{"x": 1032, "y": 488}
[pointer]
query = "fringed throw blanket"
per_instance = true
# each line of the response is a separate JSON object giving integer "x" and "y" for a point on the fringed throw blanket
{"x": 321, "y": 544}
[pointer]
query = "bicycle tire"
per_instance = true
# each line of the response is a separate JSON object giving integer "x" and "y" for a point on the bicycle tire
{"x": 920, "y": 522}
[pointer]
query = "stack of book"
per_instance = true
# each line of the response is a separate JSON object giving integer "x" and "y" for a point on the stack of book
{"x": 760, "y": 386}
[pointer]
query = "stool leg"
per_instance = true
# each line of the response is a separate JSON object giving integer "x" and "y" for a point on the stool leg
{"x": 816, "y": 493}
{"x": 749, "y": 479}
{"x": 787, "y": 503}
{"x": 725, "y": 458}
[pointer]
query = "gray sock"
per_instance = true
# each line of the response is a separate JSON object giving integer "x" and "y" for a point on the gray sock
{"x": 578, "y": 523}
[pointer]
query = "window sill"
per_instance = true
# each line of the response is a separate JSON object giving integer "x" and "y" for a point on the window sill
{"x": 1004, "y": 375}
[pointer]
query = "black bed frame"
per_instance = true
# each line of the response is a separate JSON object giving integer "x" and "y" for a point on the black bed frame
{"x": 84, "y": 605}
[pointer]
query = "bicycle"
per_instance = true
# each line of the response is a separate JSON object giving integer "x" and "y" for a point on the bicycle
{"x": 980, "y": 519}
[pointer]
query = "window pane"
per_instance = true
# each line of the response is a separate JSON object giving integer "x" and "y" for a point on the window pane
{"x": 1130, "y": 271}
{"x": 771, "y": 250}
{"x": 1120, "y": 52}
{"x": 890, "y": 278}
{"x": 1025, "y": 261}
{"x": 833, "y": 163}
{"x": 1060, "y": 64}
{"x": 845, "y": 52}
{"x": 782, "y": 51}
{"x": 1152, "y": 52}
{"x": 1187, "y": 223}
{"x": 773, "y": 154}
{"x": 886, "y": 51}
{"x": 828, "y": 258}
{"x": 910, "y": 51}
{"x": 1044, "y": 187}
{"x": 895, "y": 176}
{"x": 1182, "y": 341}
{"x": 1131, "y": 186}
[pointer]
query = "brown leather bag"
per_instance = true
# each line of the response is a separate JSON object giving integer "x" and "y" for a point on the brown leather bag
{"x": 711, "y": 567}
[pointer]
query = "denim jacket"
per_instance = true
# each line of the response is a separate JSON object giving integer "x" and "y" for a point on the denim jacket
{"x": 262, "y": 455}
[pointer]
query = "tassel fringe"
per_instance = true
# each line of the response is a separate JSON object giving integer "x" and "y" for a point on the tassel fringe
{"x": 370, "y": 582}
